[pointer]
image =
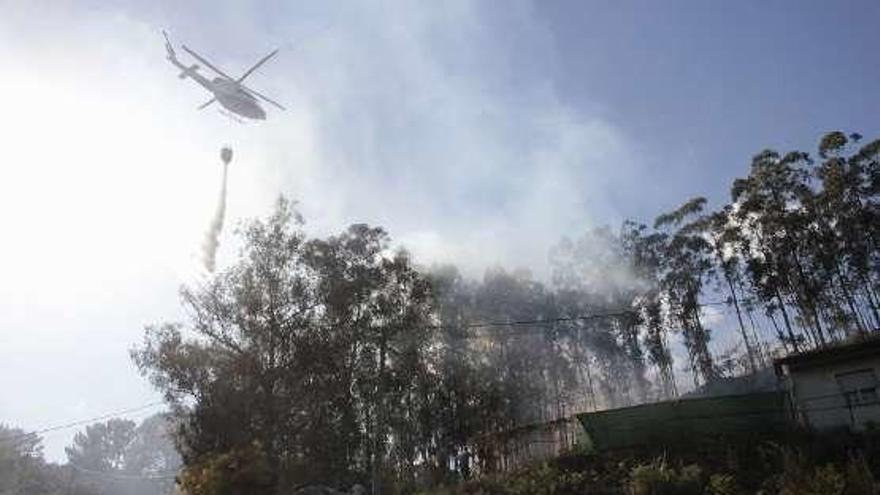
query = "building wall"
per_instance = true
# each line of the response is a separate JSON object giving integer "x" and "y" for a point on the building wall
{"x": 819, "y": 397}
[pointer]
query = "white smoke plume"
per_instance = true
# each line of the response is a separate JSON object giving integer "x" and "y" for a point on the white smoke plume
{"x": 212, "y": 237}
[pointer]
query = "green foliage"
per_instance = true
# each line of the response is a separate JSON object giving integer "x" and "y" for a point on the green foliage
{"x": 22, "y": 468}
{"x": 795, "y": 465}
{"x": 152, "y": 448}
{"x": 316, "y": 348}
{"x": 121, "y": 457}
{"x": 859, "y": 478}
{"x": 541, "y": 479}
{"x": 825, "y": 480}
{"x": 849, "y": 475}
{"x": 659, "y": 478}
{"x": 722, "y": 484}
{"x": 239, "y": 471}
{"x": 345, "y": 362}
{"x": 102, "y": 446}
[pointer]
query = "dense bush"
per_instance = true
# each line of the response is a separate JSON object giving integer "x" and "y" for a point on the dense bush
{"x": 659, "y": 478}
{"x": 236, "y": 472}
{"x": 800, "y": 476}
{"x": 722, "y": 484}
{"x": 798, "y": 465}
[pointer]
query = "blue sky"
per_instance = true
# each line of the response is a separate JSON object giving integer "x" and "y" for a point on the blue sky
{"x": 477, "y": 132}
{"x": 701, "y": 86}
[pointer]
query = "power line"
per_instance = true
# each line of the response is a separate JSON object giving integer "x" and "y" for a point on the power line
{"x": 490, "y": 324}
{"x": 535, "y": 322}
{"x": 81, "y": 422}
{"x": 469, "y": 326}
{"x": 550, "y": 321}
{"x": 124, "y": 476}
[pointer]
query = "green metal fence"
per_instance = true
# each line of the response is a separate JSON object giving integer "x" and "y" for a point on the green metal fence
{"x": 674, "y": 422}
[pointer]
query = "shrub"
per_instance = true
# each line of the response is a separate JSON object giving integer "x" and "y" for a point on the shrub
{"x": 657, "y": 478}
{"x": 798, "y": 477}
{"x": 859, "y": 479}
{"x": 722, "y": 484}
{"x": 539, "y": 480}
{"x": 243, "y": 470}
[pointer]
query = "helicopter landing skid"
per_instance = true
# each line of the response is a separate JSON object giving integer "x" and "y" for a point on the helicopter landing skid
{"x": 231, "y": 116}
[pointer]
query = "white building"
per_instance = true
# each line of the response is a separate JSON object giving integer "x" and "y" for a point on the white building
{"x": 834, "y": 387}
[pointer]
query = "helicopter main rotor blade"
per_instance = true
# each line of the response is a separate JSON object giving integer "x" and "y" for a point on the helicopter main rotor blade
{"x": 168, "y": 48}
{"x": 256, "y": 65}
{"x": 262, "y": 97}
{"x": 207, "y": 64}
{"x": 207, "y": 103}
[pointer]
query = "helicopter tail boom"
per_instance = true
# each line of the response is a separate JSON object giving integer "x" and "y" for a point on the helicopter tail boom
{"x": 169, "y": 50}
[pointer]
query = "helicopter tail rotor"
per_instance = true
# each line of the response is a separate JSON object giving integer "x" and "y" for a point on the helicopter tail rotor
{"x": 189, "y": 71}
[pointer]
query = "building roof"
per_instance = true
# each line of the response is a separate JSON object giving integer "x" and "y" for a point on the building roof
{"x": 676, "y": 422}
{"x": 862, "y": 346}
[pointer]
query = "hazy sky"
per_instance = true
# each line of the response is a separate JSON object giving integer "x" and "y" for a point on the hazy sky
{"x": 476, "y": 132}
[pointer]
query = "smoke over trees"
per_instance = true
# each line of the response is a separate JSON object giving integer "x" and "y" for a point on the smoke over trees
{"x": 122, "y": 457}
{"x": 336, "y": 359}
{"x": 22, "y": 467}
{"x": 116, "y": 457}
{"x": 306, "y": 353}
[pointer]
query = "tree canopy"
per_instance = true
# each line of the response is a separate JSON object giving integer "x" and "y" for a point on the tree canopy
{"x": 336, "y": 360}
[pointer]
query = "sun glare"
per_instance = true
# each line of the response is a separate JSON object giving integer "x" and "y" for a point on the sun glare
{"x": 93, "y": 188}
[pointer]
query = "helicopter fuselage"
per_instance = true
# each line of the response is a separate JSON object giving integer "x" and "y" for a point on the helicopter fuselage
{"x": 235, "y": 99}
{"x": 230, "y": 95}
{"x": 228, "y": 92}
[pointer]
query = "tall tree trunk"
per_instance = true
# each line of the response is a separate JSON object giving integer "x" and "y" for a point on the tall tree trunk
{"x": 590, "y": 387}
{"x": 808, "y": 329}
{"x": 844, "y": 287}
{"x": 872, "y": 300}
{"x": 779, "y": 334}
{"x": 379, "y": 434}
{"x": 742, "y": 328}
{"x": 759, "y": 342}
{"x": 809, "y": 299}
{"x": 634, "y": 352}
{"x": 270, "y": 434}
{"x": 707, "y": 367}
{"x": 793, "y": 340}
{"x": 818, "y": 321}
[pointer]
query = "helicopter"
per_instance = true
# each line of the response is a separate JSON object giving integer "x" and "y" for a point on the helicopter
{"x": 228, "y": 91}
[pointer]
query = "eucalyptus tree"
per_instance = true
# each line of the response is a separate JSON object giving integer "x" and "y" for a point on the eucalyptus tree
{"x": 721, "y": 232}
{"x": 495, "y": 371}
{"x": 462, "y": 384}
{"x": 527, "y": 358}
{"x": 687, "y": 262}
{"x": 306, "y": 353}
{"x": 376, "y": 313}
{"x": 846, "y": 213}
{"x": 809, "y": 234}
{"x": 646, "y": 251}
{"x": 768, "y": 208}
{"x": 240, "y": 361}
{"x": 599, "y": 273}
